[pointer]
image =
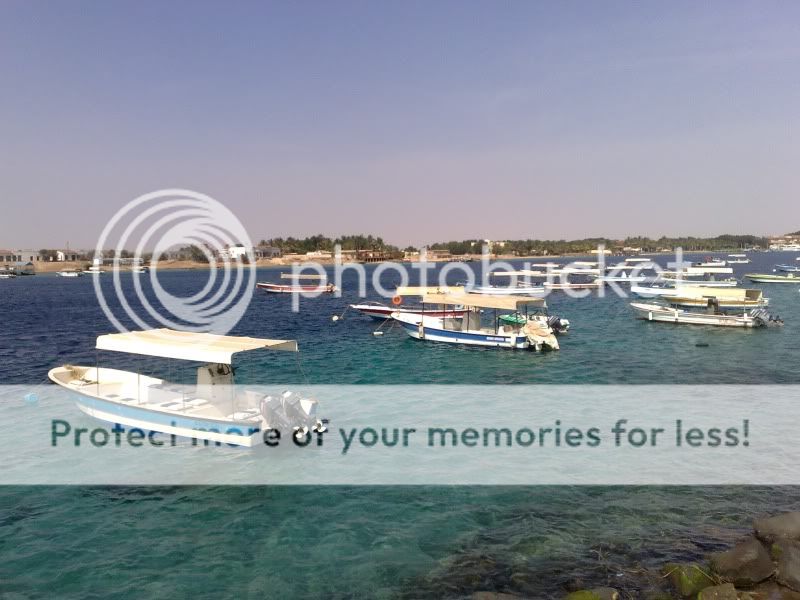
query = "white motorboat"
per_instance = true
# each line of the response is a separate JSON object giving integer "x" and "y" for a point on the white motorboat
{"x": 787, "y": 269}
{"x": 69, "y": 274}
{"x": 665, "y": 314}
{"x": 380, "y": 312}
{"x": 213, "y": 410}
{"x": 623, "y": 278}
{"x": 702, "y": 296}
{"x": 770, "y": 278}
{"x": 710, "y": 262}
{"x": 518, "y": 290}
{"x": 7, "y": 275}
{"x": 529, "y": 329}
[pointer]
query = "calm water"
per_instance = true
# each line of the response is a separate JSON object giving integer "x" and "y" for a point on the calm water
{"x": 401, "y": 542}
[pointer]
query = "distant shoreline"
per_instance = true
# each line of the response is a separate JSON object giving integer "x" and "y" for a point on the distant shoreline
{"x": 168, "y": 265}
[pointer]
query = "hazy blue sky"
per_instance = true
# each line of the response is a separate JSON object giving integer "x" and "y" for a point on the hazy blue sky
{"x": 417, "y": 121}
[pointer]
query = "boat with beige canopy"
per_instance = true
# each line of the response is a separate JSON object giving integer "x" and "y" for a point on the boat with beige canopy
{"x": 523, "y": 324}
{"x": 214, "y": 409}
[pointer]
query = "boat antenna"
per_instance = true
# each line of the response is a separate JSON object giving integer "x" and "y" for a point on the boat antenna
{"x": 300, "y": 368}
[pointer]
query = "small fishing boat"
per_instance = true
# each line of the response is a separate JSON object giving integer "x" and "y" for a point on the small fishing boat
{"x": 519, "y": 290}
{"x": 213, "y": 410}
{"x": 770, "y": 278}
{"x": 738, "y": 259}
{"x": 702, "y": 295}
{"x": 531, "y": 331}
{"x": 710, "y": 262}
{"x": 572, "y": 285}
{"x": 665, "y": 314}
{"x": 623, "y": 278}
{"x": 787, "y": 268}
{"x": 7, "y": 276}
{"x": 280, "y": 288}
{"x": 69, "y": 274}
{"x": 95, "y": 268}
{"x": 380, "y": 312}
{"x": 754, "y": 301}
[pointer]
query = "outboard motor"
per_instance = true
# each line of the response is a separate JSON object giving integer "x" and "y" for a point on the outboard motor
{"x": 291, "y": 412}
{"x": 557, "y": 324}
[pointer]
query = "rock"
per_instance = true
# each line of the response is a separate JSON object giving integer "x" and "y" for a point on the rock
{"x": 601, "y": 593}
{"x": 688, "y": 580}
{"x": 788, "y": 554}
{"x": 745, "y": 564}
{"x": 772, "y": 591}
{"x": 493, "y": 596}
{"x": 726, "y": 591}
{"x": 785, "y": 526}
{"x": 606, "y": 593}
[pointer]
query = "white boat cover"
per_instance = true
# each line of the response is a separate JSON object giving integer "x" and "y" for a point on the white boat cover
{"x": 186, "y": 345}
{"x": 405, "y": 290}
{"x": 302, "y": 276}
{"x": 483, "y": 301}
{"x": 524, "y": 273}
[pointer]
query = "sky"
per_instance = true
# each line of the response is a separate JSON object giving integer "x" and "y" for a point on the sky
{"x": 414, "y": 121}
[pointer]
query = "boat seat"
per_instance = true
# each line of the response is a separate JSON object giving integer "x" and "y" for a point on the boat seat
{"x": 244, "y": 415}
{"x": 195, "y": 402}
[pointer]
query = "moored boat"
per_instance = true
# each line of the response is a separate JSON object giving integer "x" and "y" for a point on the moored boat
{"x": 213, "y": 410}
{"x": 519, "y": 290}
{"x": 530, "y": 331}
{"x": 69, "y": 274}
{"x": 280, "y": 288}
{"x": 771, "y": 278}
{"x": 787, "y": 268}
{"x": 623, "y": 278}
{"x": 665, "y": 314}
{"x": 380, "y": 311}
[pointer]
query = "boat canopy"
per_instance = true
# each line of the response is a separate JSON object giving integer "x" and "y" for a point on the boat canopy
{"x": 732, "y": 293}
{"x": 186, "y": 345}
{"x": 405, "y": 290}
{"x": 483, "y": 301}
{"x": 524, "y": 273}
{"x": 706, "y": 271}
{"x": 302, "y": 276}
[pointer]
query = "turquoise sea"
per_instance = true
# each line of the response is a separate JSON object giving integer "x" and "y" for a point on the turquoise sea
{"x": 381, "y": 542}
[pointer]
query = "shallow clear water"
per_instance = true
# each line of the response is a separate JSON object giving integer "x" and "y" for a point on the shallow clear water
{"x": 357, "y": 542}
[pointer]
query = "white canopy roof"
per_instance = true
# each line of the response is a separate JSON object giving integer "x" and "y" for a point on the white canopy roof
{"x": 523, "y": 273}
{"x": 483, "y": 301}
{"x": 302, "y": 276}
{"x": 185, "y": 345}
{"x": 423, "y": 290}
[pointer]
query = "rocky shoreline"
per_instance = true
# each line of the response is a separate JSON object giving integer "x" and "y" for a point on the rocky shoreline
{"x": 763, "y": 565}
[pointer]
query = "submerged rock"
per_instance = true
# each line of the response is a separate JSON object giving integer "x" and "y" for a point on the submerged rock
{"x": 785, "y": 526}
{"x": 601, "y": 593}
{"x": 726, "y": 591}
{"x": 688, "y": 580}
{"x": 772, "y": 591}
{"x": 745, "y": 564}
{"x": 788, "y": 555}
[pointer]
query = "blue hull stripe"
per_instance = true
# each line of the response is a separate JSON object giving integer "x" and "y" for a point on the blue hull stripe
{"x": 460, "y": 336}
{"x": 159, "y": 418}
